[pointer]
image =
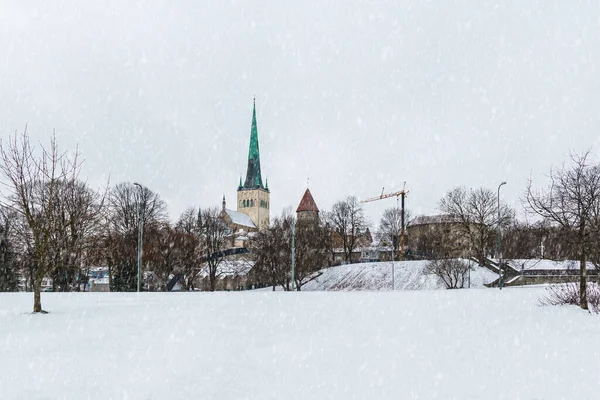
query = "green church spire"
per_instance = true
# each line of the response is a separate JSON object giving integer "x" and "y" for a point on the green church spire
{"x": 253, "y": 177}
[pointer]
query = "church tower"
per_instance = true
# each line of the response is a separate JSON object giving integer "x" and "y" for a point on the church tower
{"x": 253, "y": 199}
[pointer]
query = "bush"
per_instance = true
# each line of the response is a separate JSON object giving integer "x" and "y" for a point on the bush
{"x": 452, "y": 272}
{"x": 568, "y": 293}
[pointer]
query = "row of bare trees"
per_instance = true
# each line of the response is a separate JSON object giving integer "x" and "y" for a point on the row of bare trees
{"x": 53, "y": 225}
{"x": 565, "y": 213}
{"x": 318, "y": 239}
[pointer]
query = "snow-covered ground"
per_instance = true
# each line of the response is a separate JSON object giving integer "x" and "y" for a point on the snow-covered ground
{"x": 440, "y": 344}
{"x": 408, "y": 275}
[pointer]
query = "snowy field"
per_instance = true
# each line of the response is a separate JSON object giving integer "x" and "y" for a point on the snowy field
{"x": 462, "y": 344}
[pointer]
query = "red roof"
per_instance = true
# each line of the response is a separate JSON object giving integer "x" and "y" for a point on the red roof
{"x": 307, "y": 203}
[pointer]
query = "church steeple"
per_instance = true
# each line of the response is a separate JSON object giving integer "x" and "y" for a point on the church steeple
{"x": 254, "y": 198}
{"x": 253, "y": 177}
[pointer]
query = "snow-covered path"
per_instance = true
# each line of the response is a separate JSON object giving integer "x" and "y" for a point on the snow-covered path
{"x": 464, "y": 344}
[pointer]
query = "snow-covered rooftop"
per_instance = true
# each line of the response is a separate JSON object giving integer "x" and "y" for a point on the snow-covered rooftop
{"x": 230, "y": 268}
{"x": 434, "y": 219}
{"x": 240, "y": 218}
{"x": 550, "y": 265}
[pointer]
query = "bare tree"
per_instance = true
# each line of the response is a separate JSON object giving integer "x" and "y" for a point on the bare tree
{"x": 594, "y": 240}
{"x": 188, "y": 226}
{"x": 390, "y": 229}
{"x": 126, "y": 200}
{"x": 541, "y": 239}
{"x": 569, "y": 203}
{"x": 24, "y": 250}
{"x": 347, "y": 220}
{"x": 311, "y": 250}
{"x": 126, "y": 204}
{"x": 213, "y": 240}
{"x": 78, "y": 216}
{"x": 476, "y": 215}
{"x": 328, "y": 238}
{"x": 164, "y": 253}
{"x": 273, "y": 251}
{"x": 521, "y": 240}
{"x": 9, "y": 277}
{"x": 452, "y": 272}
{"x": 34, "y": 180}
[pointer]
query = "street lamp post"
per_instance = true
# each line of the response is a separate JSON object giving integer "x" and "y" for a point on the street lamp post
{"x": 500, "y": 277}
{"x": 140, "y": 237}
{"x": 293, "y": 254}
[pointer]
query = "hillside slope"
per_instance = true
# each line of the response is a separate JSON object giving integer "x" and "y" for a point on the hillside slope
{"x": 408, "y": 275}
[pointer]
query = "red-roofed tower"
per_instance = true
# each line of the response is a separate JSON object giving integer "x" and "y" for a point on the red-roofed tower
{"x": 307, "y": 209}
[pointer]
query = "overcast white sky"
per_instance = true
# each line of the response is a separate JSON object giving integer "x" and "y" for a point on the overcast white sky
{"x": 355, "y": 95}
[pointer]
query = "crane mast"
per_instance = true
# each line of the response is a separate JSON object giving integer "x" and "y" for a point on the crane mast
{"x": 399, "y": 195}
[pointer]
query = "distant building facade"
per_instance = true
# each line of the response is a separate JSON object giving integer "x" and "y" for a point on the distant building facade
{"x": 431, "y": 236}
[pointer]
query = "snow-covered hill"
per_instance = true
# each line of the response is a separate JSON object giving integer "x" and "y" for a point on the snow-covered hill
{"x": 439, "y": 344}
{"x": 408, "y": 275}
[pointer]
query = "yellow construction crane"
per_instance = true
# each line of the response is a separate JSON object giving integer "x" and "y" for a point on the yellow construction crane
{"x": 398, "y": 195}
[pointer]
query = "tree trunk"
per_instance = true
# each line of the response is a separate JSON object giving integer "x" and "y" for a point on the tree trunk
{"x": 110, "y": 276}
{"x": 583, "y": 303}
{"x": 37, "y": 296}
